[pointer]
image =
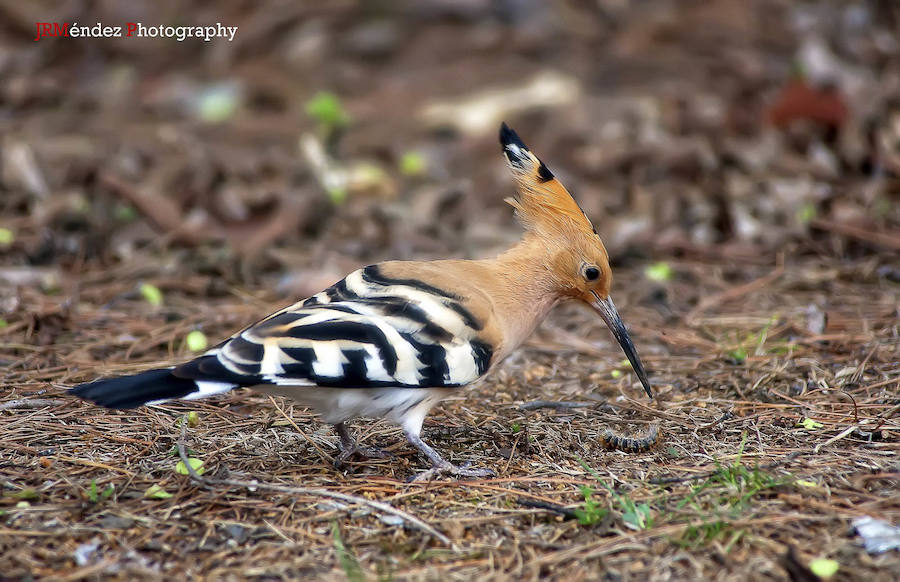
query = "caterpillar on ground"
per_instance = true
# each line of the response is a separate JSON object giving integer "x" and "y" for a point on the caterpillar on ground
{"x": 613, "y": 441}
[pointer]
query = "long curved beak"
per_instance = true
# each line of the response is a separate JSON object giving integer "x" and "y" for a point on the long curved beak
{"x": 607, "y": 311}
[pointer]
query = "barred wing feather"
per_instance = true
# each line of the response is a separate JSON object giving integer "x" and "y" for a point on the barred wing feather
{"x": 367, "y": 330}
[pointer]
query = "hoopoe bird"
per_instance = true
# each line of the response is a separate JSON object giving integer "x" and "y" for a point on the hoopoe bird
{"x": 393, "y": 339}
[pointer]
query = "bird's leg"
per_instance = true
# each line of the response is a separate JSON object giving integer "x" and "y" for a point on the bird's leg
{"x": 441, "y": 466}
{"x": 349, "y": 447}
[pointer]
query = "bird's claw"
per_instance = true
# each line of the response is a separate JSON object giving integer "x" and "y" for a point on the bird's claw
{"x": 460, "y": 471}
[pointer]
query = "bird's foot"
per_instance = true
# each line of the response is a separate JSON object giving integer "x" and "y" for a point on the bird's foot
{"x": 458, "y": 471}
{"x": 349, "y": 448}
{"x": 441, "y": 467}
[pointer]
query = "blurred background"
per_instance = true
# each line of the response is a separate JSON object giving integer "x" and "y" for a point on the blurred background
{"x": 740, "y": 159}
{"x": 328, "y": 135}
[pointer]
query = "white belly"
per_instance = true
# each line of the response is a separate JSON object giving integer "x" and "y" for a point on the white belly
{"x": 406, "y": 407}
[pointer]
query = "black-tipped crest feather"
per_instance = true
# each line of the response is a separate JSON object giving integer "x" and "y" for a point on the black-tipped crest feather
{"x": 542, "y": 202}
{"x": 515, "y": 149}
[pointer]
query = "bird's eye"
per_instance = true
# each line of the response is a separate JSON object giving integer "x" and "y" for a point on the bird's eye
{"x": 592, "y": 273}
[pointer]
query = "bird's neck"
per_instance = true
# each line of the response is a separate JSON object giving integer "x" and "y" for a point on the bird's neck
{"x": 525, "y": 290}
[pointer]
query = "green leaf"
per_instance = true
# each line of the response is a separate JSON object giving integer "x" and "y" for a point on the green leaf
{"x": 824, "y": 568}
{"x": 196, "y": 464}
{"x": 6, "y": 237}
{"x": 193, "y": 419}
{"x": 28, "y": 494}
{"x": 413, "y": 164}
{"x": 616, "y": 373}
{"x": 738, "y": 356}
{"x": 196, "y": 341}
{"x": 325, "y": 107}
{"x": 337, "y": 195}
{"x": 638, "y": 516}
{"x": 124, "y": 212}
{"x": 152, "y": 294}
{"x": 157, "y": 492}
{"x": 515, "y": 427}
{"x": 591, "y": 512}
{"x": 810, "y": 424}
{"x": 805, "y": 483}
{"x": 806, "y": 213}
{"x": 658, "y": 272}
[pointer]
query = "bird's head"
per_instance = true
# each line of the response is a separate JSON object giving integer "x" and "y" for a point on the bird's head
{"x": 575, "y": 255}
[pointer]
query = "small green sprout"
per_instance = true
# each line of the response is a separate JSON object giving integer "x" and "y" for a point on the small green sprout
{"x": 658, "y": 272}
{"x": 193, "y": 419}
{"x": 95, "y": 496}
{"x": 152, "y": 294}
{"x": 413, "y": 164}
{"x": 515, "y": 427}
{"x": 591, "y": 512}
{"x": 6, "y": 237}
{"x": 616, "y": 373}
{"x": 124, "y": 212}
{"x": 337, "y": 195}
{"x": 635, "y": 515}
{"x": 326, "y": 108}
{"x": 806, "y": 213}
{"x": 738, "y": 355}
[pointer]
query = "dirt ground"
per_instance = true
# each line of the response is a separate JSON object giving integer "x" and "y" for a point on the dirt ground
{"x": 740, "y": 159}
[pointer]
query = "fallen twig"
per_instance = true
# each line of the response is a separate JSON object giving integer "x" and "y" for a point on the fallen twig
{"x": 552, "y": 507}
{"x": 559, "y": 405}
{"x": 888, "y": 239}
{"x": 25, "y": 403}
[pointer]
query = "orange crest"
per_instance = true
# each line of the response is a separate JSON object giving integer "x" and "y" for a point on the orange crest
{"x": 542, "y": 204}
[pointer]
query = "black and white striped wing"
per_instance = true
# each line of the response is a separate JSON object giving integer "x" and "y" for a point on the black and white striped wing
{"x": 367, "y": 330}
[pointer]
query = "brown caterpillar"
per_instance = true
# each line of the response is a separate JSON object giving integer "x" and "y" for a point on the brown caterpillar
{"x": 614, "y": 441}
